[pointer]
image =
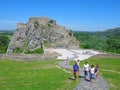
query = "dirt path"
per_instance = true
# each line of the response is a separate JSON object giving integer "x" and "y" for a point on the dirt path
{"x": 110, "y": 71}
{"x": 99, "y": 84}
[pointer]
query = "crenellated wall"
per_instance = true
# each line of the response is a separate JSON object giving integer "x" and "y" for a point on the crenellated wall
{"x": 19, "y": 25}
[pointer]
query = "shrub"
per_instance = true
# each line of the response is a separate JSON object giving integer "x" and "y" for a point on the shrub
{"x": 39, "y": 51}
{"x": 18, "y": 50}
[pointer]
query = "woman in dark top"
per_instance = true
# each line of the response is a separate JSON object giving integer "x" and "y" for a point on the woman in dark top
{"x": 75, "y": 70}
{"x": 96, "y": 71}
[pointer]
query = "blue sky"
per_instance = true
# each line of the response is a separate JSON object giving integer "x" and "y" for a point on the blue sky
{"x": 80, "y": 15}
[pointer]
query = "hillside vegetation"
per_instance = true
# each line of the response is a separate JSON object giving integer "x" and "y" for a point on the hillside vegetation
{"x": 108, "y": 40}
{"x": 5, "y": 37}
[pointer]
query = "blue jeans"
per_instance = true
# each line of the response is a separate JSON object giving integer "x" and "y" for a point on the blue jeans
{"x": 91, "y": 76}
{"x": 85, "y": 73}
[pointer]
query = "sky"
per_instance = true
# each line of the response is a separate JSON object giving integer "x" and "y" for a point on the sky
{"x": 77, "y": 15}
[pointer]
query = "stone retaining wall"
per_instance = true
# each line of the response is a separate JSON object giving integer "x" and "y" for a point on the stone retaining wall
{"x": 27, "y": 57}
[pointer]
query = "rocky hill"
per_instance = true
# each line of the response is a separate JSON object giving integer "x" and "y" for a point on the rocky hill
{"x": 40, "y": 32}
{"x": 115, "y": 32}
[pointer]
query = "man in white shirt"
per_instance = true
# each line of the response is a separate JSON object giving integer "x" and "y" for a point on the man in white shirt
{"x": 86, "y": 69}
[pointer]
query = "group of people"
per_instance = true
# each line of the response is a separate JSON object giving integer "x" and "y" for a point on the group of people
{"x": 91, "y": 72}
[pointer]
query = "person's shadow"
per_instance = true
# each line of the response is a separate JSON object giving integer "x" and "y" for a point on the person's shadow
{"x": 71, "y": 78}
{"x": 84, "y": 78}
{"x": 81, "y": 77}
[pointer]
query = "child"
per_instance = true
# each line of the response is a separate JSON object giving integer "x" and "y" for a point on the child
{"x": 92, "y": 72}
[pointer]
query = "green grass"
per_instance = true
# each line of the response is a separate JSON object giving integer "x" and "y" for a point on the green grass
{"x": 113, "y": 79}
{"x": 39, "y": 51}
{"x": 110, "y": 64}
{"x": 35, "y": 75}
{"x": 47, "y": 44}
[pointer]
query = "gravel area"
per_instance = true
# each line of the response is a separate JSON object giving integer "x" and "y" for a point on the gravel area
{"x": 85, "y": 84}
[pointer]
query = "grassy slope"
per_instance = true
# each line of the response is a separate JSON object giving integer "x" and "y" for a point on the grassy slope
{"x": 110, "y": 64}
{"x": 35, "y": 75}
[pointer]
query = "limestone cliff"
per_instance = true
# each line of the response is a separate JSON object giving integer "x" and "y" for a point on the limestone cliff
{"x": 40, "y": 32}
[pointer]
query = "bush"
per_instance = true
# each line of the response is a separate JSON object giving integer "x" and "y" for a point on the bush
{"x": 18, "y": 50}
{"x": 39, "y": 51}
{"x": 4, "y": 41}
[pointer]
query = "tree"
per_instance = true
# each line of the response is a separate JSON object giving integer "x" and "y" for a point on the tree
{"x": 4, "y": 41}
{"x": 113, "y": 44}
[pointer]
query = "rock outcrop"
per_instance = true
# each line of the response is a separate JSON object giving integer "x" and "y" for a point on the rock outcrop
{"x": 41, "y": 32}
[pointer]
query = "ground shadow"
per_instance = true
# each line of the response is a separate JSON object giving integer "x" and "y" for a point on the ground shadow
{"x": 84, "y": 78}
{"x": 81, "y": 77}
{"x": 87, "y": 80}
{"x": 71, "y": 78}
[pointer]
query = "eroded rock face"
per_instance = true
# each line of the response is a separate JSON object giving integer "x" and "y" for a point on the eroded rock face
{"x": 41, "y": 32}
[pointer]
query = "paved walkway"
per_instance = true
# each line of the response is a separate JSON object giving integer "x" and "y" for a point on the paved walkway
{"x": 99, "y": 84}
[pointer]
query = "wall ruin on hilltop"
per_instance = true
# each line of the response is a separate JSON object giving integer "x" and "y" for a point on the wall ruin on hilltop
{"x": 40, "y": 32}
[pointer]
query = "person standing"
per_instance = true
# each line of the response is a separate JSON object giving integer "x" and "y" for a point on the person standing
{"x": 67, "y": 59}
{"x": 86, "y": 68}
{"x": 96, "y": 71}
{"x": 75, "y": 70}
{"x": 78, "y": 63}
{"x": 92, "y": 72}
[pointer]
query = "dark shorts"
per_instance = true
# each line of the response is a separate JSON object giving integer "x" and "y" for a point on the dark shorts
{"x": 75, "y": 71}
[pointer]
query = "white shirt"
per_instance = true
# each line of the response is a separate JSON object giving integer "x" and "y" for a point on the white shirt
{"x": 78, "y": 63}
{"x": 92, "y": 70}
{"x": 86, "y": 67}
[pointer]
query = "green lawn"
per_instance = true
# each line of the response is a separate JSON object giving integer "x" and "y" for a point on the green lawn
{"x": 35, "y": 75}
{"x": 110, "y": 64}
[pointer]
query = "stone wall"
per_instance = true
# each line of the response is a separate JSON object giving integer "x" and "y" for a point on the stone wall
{"x": 28, "y": 57}
{"x": 20, "y": 25}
